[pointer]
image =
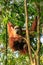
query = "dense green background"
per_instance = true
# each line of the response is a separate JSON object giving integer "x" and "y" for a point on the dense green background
{"x": 13, "y": 11}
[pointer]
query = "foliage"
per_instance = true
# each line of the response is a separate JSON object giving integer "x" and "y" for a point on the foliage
{"x": 13, "y": 11}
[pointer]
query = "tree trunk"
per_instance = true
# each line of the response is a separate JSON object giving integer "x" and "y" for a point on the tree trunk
{"x": 35, "y": 60}
{"x": 27, "y": 32}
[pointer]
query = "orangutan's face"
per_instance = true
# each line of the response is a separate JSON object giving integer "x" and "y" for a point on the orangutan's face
{"x": 17, "y": 30}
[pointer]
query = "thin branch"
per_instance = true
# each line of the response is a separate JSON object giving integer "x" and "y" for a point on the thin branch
{"x": 38, "y": 26}
{"x": 27, "y": 32}
{"x": 26, "y": 42}
{"x": 38, "y": 34}
{"x": 38, "y": 37}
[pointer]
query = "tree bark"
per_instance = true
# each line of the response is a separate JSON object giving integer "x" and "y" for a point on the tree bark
{"x": 27, "y": 32}
{"x": 38, "y": 34}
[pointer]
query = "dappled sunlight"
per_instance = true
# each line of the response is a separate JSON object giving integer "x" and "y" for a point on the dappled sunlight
{"x": 41, "y": 39}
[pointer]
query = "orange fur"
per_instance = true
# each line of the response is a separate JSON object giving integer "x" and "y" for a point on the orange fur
{"x": 34, "y": 25}
{"x": 14, "y": 37}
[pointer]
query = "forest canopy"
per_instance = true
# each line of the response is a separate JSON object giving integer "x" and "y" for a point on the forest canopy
{"x": 14, "y": 11}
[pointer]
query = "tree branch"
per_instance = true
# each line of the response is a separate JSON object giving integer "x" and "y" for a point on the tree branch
{"x": 27, "y": 32}
{"x": 27, "y": 42}
{"x": 38, "y": 34}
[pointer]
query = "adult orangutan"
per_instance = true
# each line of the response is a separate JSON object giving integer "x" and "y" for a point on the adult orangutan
{"x": 15, "y": 39}
{"x": 16, "y": 42}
